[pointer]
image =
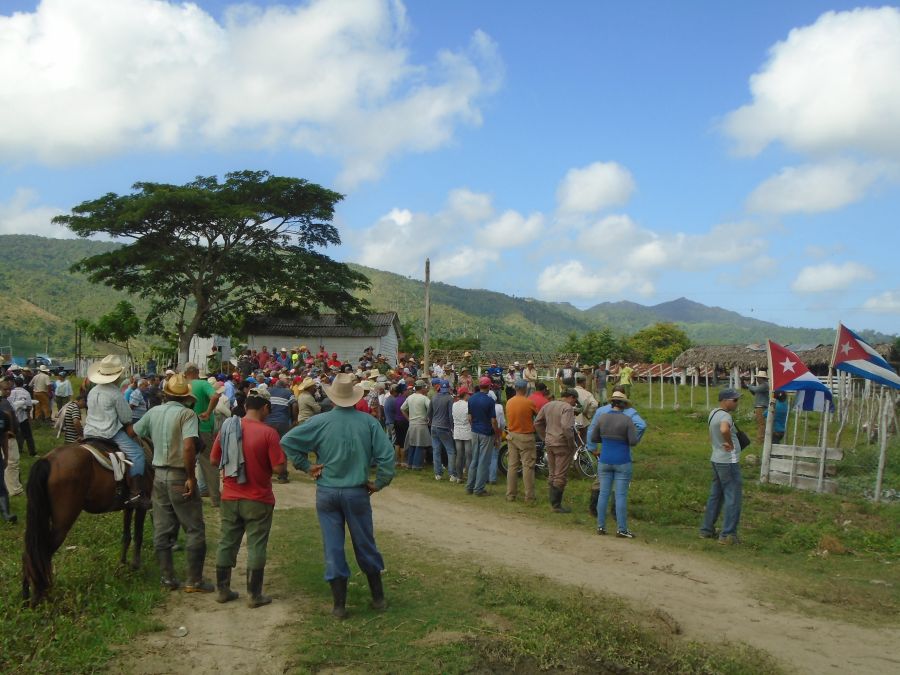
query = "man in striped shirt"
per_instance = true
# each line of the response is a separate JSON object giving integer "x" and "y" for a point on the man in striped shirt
{"x": 283, "y": 413}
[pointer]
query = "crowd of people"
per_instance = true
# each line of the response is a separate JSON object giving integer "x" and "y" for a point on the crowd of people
{"x": 224, "y": 430}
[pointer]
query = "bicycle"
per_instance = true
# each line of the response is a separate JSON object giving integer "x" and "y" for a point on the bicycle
{"x": 582, "y": 458}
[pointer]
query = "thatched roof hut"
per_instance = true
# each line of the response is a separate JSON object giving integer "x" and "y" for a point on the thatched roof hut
{"x": 751, "y": 357}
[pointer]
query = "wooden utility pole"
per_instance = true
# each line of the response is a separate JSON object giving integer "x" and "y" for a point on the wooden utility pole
{"x": 425, "y": 339}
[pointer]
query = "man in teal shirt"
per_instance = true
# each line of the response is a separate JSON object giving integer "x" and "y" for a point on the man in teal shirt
{"x": 346, "y": 442}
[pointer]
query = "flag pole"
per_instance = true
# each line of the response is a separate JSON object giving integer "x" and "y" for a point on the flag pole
{"x": 882, "y": 434}
{"x": 765, "y": 461}
{"x": 825, "y": 416}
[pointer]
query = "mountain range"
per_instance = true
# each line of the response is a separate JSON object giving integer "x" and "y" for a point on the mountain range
{"x": 41, "y": 300}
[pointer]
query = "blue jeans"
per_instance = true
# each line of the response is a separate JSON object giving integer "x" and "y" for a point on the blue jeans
{"x": 479, "y": 465}
{"x": 415, "y": 457}
{"x": 443, "y": 438}
{"x": 621, "y": 474}
{"x": 132, "y": 450}
{"x": 337, "y": 507}
{"x": 727, "y": 487}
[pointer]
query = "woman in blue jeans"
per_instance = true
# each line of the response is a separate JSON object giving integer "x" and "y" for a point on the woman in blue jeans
{"x": 617, "y": 434}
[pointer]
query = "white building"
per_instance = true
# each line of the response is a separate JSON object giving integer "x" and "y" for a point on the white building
{"x": 348, "y": 341}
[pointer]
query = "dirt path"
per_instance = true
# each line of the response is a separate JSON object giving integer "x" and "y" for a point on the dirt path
{"x": 708, "y": 603}
{"x": 228, "y": 638}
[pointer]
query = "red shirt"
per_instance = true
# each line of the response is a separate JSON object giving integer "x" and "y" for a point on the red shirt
{"x": 363, "y": 406}
{"x": 262, "y": 451}
{"x": 539, "y": 400}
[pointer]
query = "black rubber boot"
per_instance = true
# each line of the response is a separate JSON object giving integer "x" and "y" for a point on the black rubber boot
{"x": 592, "y": 504}
{"x": 377, "y": 588}
{"x": 339, "y": 594}
{"x": 557, "y": 501}
{"x": 254, "y": 589}
{"x": 5, "y": 512}
{"x": 196, "y": 583}
{"x": 167, "y": 570}
{"x": 223, "y": 585}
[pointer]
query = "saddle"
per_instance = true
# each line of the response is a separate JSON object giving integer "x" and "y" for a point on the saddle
{"x": 108, "y": 456}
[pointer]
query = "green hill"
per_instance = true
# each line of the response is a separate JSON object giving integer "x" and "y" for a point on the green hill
{"x": 42, "y": 300}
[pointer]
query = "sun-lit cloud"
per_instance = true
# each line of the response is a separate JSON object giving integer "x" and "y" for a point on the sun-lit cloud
{"x": 830, "y": 277}
{"x": 814, "y": 188}
{"x": 94, "y": 78}
{"x": 595, "y": 187}
{"x": 512, "y": 229}
{"x": 830, "y": 86}
{"x": 884, "y": 303}
{"x": 22, "y": 214}
{"x": 573, "y": 280}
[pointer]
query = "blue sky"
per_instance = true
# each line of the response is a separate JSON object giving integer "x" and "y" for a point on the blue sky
{"x": 746, "y": 156}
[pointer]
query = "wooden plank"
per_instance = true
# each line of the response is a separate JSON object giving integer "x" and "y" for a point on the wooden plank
{"x": 810, "y": 469}
{"x": 802, "y": 482}
{"x": 805, "y": 451}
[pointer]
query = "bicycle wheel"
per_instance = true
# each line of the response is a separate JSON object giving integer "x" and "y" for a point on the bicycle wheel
{"x": 586, "y": 463}
{"x": 503, "y": 458}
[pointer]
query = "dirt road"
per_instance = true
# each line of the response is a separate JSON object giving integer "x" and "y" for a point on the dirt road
{"x": 709, "y": 603}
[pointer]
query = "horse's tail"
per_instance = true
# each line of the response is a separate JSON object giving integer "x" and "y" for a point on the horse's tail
{"x": 36, "y": 567}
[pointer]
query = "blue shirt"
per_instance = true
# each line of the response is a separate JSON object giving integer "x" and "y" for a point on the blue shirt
{"x": 639, "y": 423}
{"x": 481, "y": 408}
{"x": 280, "y": 405}
{"x": 390, "y": 409}
{"x": 781, "y": 413}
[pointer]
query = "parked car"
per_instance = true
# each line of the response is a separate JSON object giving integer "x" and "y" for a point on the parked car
{"x": 39, "y": 360}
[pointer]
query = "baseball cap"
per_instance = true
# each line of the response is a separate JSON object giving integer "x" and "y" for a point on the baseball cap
{"x": 461, "y": 391}
{"x": 729, "y": 394}
{"x": 521, "y": 384}
{"x": 484, "y": 382}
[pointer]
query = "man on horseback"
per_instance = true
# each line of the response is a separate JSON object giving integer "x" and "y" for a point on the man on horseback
{"x": 109, "y": 417}
{"x": 173, "y": 429}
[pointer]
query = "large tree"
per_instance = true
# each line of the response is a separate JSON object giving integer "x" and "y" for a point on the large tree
{"x": 117, "y": 327}
{"x": 659, "y": 343}
{"x": 208, "y": 254}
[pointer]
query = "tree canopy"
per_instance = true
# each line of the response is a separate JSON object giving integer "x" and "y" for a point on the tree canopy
{"x": 595, "y": 346}
{"x": 117, "y": 327}
{"x": 207, "y": 254}
{"x": 659, "y": 343}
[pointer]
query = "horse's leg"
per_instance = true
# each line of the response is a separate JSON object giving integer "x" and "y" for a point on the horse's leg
{"x": 138, "y": 538}
{"x": 126, "y": 534}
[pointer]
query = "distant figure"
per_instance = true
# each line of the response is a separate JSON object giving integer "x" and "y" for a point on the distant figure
{"x": 150, "y": 367}
{"x": 760, "y": 403}
{"x": 625, "y": 374}
{"x": 727, "y": 483}
{"x": 779, "y": 426}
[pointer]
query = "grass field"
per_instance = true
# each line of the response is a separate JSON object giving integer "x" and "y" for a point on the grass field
{"x": 835, "y": 553}
{"x": 819, "y": 554}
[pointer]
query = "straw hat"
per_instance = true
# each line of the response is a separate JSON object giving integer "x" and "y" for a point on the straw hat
{"x": 176, "y": 387}
{"x": 108, "y": 370}
{"x": 762, "y": 373}
{"x": 344, "y": 391}
{"x": 306, "y": 384}
{"x": 619, "y": 396}
{"x": 44, "y": 368}
{"x": 367, "y": 385}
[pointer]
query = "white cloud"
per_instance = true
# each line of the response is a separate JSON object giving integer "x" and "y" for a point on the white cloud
{"x": 334, "y": 77}
{"x": 22, "y": 215}
{"x": 884, "y": 303}
{"x": 573, "y": 281}
{"x": 470, "y": 206}
{"x": 512, "y": 229}
{"x": 829, "y": 86}
{"x": 464, "y": 262}
{"x": 595, "y": 187}
{"x": 813, "y": 188}
{"x": 830, "y": 277}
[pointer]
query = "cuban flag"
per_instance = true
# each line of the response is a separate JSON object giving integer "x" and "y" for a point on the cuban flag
{"x": 852, "y": 355}
{"x": 789, "y": 373}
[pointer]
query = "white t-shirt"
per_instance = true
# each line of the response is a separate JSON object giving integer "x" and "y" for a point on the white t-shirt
{"x": 462, "y": 430}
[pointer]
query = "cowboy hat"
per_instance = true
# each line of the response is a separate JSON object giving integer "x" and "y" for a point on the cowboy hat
{"x": 306, "y": 384}
{"x": 367, "y": 385}
{"x": 373, "y": 374}
{"x": 762, "y": 373}
{"x": 619, "y": 396}
{"x": 343, "y": 391}
{"x": 177, "y": 387}
{"x": 108, "y": 370}
{"x": 44, "y": 368}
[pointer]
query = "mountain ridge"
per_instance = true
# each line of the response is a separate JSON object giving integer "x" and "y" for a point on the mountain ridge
{"x": 44, "y": 299}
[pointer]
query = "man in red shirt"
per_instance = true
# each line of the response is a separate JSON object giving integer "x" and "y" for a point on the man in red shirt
{"x": 539, "y": 396}
{"x": 248, "y": 452}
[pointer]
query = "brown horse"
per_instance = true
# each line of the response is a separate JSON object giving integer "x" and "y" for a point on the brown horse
{"x": 62, "y": 484}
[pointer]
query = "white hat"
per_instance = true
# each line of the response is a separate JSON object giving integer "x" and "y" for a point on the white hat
{"x": 344, "y": 391}
{"x": 44, "y": 368}
{"x": 762, "y": 373}
{"x": 108, "y": 370}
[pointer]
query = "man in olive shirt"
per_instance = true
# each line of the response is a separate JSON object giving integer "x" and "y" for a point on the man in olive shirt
{"x": 346, "y": 442}
{"x": 206, "y": 399}
{"x": 172, "y": 427}
{"x": 555, "y": 423}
